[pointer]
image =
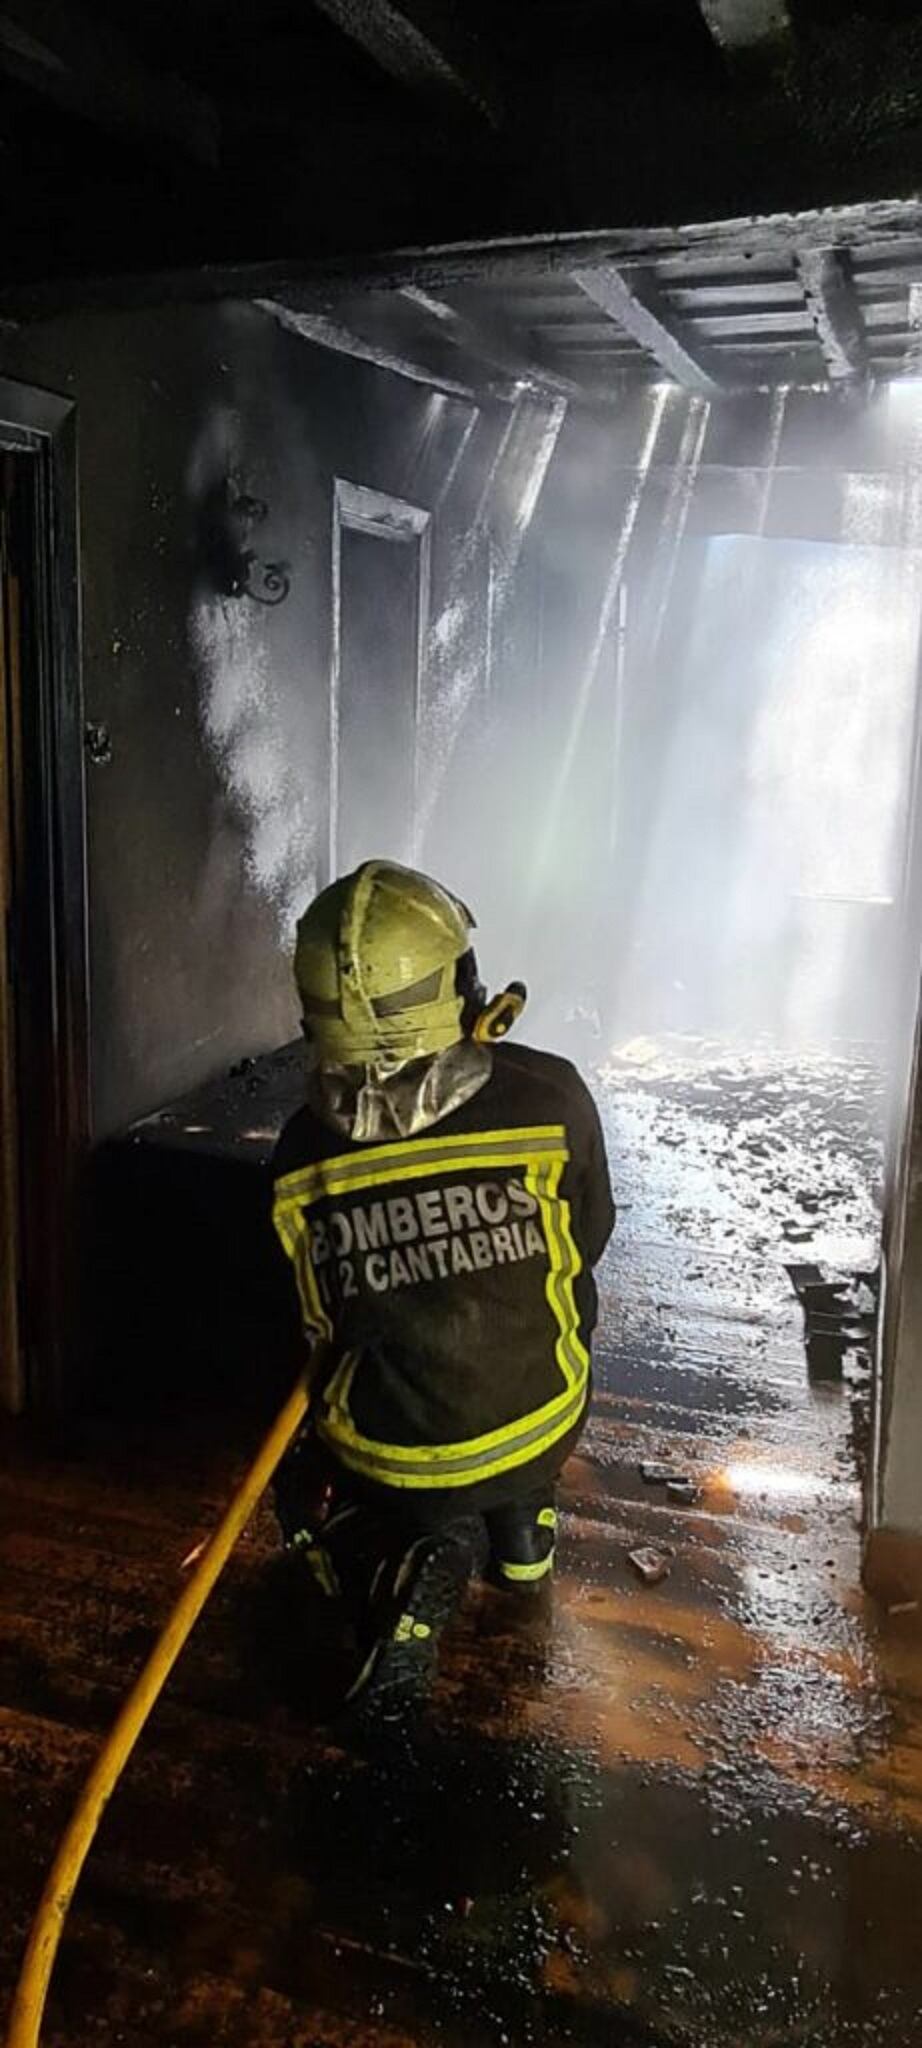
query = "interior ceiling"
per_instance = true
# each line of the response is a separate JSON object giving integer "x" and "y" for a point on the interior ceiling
{"x": 748, "y": 306}
{"x": 137, "y": 146}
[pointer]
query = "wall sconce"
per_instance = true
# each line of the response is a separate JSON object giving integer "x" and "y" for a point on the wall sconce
{"x": 234, "y": 566}
{"x": 97, "y": 741}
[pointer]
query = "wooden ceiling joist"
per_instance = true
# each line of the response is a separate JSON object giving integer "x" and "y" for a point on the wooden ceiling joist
{"x": 327, "y": 332}
{"x": 487, "y": 339}
{"x": 737, "y": 248}
{"x": 636, "y": 307}
{"x": 833, "y": 305}
{"x": 420, "y": 43}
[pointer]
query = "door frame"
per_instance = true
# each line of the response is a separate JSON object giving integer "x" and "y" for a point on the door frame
{"x": 362, "y": 510}
{"x": 41, "y": 427}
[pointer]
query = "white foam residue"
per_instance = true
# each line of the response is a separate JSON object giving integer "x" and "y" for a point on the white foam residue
{"x": 244, "y": 722}
{"x": 448, "y": 626}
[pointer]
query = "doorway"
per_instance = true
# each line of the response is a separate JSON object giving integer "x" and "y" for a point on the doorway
{"x": 43, "y": 979}
{"x": 380, "y": 617}
{"x": 12, "y": 1365}
{"x": 771, "y": 866}
{"x": 758, "y": 1041}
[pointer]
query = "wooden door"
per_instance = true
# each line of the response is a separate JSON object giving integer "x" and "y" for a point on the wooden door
{"x": 44, "y": 1016}
{"x": 12, "y": 1377}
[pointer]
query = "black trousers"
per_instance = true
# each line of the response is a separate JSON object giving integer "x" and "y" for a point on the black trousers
{"x": 313, "y": 1494}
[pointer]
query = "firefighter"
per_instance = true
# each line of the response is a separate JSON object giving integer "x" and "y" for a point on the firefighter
{"x": 443, "y": 1197}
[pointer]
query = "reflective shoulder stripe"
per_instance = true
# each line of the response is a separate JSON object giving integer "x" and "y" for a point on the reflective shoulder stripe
{"x": 410, "y": 1159}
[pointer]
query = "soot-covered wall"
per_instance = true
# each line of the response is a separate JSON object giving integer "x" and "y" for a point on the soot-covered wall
{"x": 209, "y": 826}
{"x": 185, "y": 968}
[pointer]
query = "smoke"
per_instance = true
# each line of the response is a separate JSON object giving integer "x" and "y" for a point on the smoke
{"x": 685, "y": 760}
{"x": 778, "y": 815}
{"x": 470, "y": 611}
{"x": 667, "y": 707}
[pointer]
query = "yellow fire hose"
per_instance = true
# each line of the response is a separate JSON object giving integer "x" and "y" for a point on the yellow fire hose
{"x": 32, "y": 1988}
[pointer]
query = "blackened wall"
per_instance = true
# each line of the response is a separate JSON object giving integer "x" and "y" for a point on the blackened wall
{"x": 183, "y": 957}
{"x": 208, "y": 827}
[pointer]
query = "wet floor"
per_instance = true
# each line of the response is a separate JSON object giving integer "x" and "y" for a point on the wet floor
{"x": 687, "y": 1813}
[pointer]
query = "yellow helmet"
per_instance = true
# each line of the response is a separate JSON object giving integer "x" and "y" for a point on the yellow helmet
{"x": 376, "y": 965}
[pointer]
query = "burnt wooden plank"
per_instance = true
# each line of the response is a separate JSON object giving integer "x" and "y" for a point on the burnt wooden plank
{"x": 834, "y": 308}
{"x": 424, "y": 45}
{"x": 753, "y": 246}
{"x": 487, "y": 338}
{"x": 636, "y": 306}
{"x": 326, "y": 331}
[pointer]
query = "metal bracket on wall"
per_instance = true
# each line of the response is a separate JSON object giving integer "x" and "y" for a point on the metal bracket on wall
{"x": 233, "y": 567}
{"x": 97, "y": 741}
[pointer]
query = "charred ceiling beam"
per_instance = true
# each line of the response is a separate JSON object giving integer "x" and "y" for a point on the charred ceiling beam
{"x": 488, "y": 340}
{"x": 832, "y": 303}
{"x": 747, "y": 28}
{"x": 635, "y": 305}
{"x": 423, "y": 44}
{"x": 327, "y": 332}
{"x": 729, "y": 245}
{"x": 95, "y": 74}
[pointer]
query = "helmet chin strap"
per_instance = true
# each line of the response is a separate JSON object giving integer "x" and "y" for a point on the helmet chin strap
{"x": 497, "y": 1017}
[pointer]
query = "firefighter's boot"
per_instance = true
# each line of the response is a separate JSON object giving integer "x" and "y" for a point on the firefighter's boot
{"x": 415, "y": 1595}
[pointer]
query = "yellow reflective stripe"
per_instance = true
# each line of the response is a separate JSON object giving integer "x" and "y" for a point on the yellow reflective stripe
{"x": 289, "y": 1224}
{"x": 528, "y": 1136}
{"x": 336, "y": 1394}
{"x": 415, "y": 1480}
{"x": 471, "y": 1449}
{"x": 528, "y": 1571}
{"x": 379, "y": 1163}
{"x": 440, "y": 1465}
{"x": 416, "y": 1169}
{"x": 565, "y": 1265}
{"x": 547, "y": 1518}
{"x": 298, "y": 1248}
